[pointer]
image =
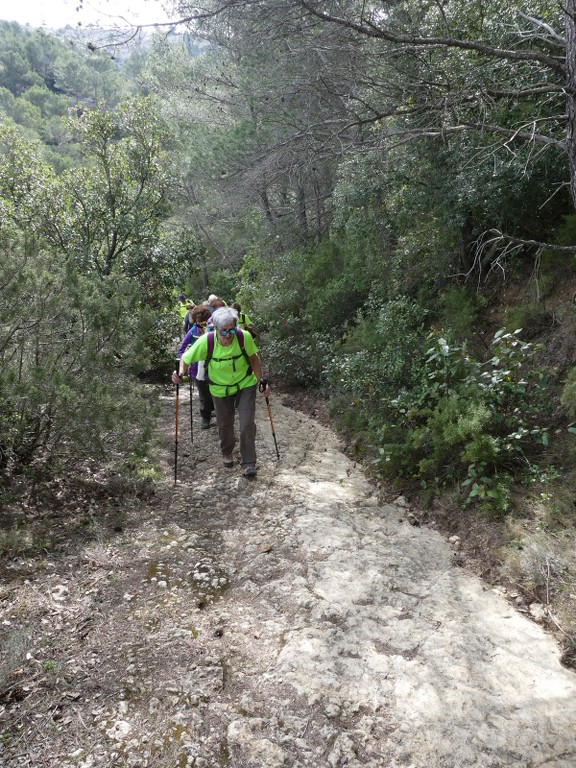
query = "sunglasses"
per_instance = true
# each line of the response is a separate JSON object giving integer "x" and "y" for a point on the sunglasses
{"x": 227, "y": 331}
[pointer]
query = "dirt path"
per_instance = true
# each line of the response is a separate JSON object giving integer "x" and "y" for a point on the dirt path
{"x": 285, "y": 622}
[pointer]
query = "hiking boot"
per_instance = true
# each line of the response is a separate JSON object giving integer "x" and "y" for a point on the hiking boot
{"x": 228, "y": 461}
{"x": 205, "y": 423}
{"x": 250, "y": 472}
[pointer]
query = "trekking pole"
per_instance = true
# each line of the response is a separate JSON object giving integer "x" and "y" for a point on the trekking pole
{"x": 191, "y": 409}
{"x": 176, "y": 435}
{"x": 262, "y": 387}
{"x": 272, "y": 427}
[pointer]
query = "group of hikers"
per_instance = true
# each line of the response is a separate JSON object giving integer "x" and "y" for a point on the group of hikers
{"x": 218, "y": 352}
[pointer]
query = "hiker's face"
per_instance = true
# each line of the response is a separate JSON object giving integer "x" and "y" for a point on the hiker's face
{"x": 226, "y": 335}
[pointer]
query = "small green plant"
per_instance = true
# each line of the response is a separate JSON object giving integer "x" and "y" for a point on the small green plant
{"x": 491, "y": 492}
{"x": 15, "y": 541}
{"x": 143, "y": 468}
{"x": 50, "y": 666}
{"x": 532, "y": 316}
{"x": 536, "y": 474}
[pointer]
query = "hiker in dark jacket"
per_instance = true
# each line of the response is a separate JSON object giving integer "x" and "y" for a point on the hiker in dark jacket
{"x": 197, "y": 371}
{"x": 188, "y": 321}
{"x": 234, "y": 375}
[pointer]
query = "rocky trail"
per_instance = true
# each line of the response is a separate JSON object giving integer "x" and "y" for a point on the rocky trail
{"x": 290, "y": 621}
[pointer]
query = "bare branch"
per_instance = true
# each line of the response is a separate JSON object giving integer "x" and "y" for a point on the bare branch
{"x": 560, "y": 39}
{"x": 368, "y": 29}
{"x": 498, "y": 235}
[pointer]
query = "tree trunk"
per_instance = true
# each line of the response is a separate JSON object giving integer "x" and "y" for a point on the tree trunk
{"x": 301, "y": 213}
{"x": 571, "y": 94}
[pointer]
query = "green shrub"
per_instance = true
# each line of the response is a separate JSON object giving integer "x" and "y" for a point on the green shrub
{"x": 531, "y": 317}
{"x": 159, "y": 329}
{"x": 223, "y": 282}
{"x": 492, "y": 492}
{"x": 306, "y": 299}
{"x": 295, "y": 358}
{"x": 69, "y": 348}
{"x": 378, "y": 354}
{"x": 460, "y": 309}
{"x": 568, "y": 395}
{"x": 467, "y": 421}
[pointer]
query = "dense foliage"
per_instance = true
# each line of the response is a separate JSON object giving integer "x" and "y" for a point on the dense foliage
{"x": 355, "y": 179}
{"x": 79, "y": 226}
{"x": 371, "y": 176}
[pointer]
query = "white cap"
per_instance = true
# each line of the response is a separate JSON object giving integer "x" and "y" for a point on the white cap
{"x": 212, "y": 297}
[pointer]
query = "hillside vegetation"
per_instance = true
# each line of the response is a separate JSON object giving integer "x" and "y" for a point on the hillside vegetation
{"x": 389, "y": 196}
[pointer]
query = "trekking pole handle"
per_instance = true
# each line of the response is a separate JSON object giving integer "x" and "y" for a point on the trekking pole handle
{"x": 263, "y": 385}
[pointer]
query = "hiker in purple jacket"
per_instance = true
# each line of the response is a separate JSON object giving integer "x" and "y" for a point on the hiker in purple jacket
{"x": 200, "y": 318}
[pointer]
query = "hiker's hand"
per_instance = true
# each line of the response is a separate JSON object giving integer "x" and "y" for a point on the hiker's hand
{"x": 176, "y": 378}
{"x": 264, "y": 387}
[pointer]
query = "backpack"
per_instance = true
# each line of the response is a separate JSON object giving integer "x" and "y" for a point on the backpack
{"x": 242, "y": 322}
{"x": 187, "y": 322}
{"x": 210, "y": 356}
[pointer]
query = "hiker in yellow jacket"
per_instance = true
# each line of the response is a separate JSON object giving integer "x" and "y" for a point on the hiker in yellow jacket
{"x": 181, "y": 310}
{"x": 244, "y": 321}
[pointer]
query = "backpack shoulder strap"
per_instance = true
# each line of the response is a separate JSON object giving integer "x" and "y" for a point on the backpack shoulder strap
{"x": 210, "y": 338}
{"x": 210, "y": 348}
{"x": 240, "y": 337}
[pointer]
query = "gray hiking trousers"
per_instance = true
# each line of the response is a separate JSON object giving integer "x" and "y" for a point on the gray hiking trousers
{"x": 245, "y": 400}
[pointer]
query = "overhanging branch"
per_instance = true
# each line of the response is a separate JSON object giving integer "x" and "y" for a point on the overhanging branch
{"x": 369, "y": 29}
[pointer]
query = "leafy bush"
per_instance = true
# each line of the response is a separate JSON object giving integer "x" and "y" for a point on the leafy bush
{"x": 160, "y": 329}
{"x": 294, "y": 357}
{"x": 68, "y": 349}
{"x": 568, "y": 396}
{"x": 532, "y": 317}
{"x": 378, "y": 353}
{"x": 467, "y": 421}
{"x": 460, "y": 308}
{"x": 304, "y": 304}
{"x": 223, "y": 282}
